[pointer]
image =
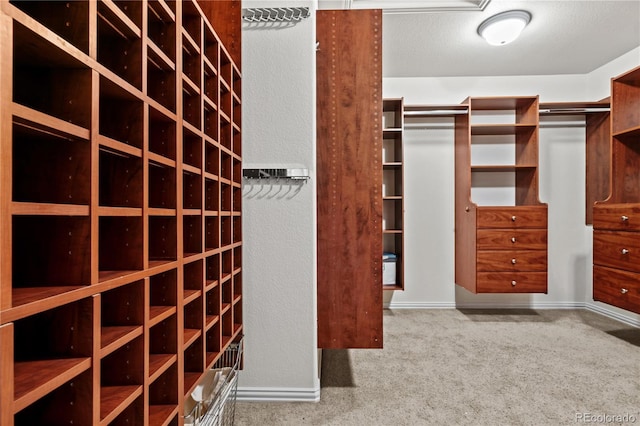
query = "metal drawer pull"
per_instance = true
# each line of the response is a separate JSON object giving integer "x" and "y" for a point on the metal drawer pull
{"x": 513, "y": 218}
{"x": 624, "y": 291}
{"x": 624, "y": 218}
{"x": 513, "y": 283}
{"x": 513, "y": 239}
{"x": 624, "y": 251}
{"x": 513, "y": 261}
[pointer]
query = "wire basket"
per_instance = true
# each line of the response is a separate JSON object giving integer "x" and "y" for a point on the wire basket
{"x": 213, "y": 401}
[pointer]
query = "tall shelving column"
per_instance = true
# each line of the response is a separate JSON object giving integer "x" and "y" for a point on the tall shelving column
{"x": 393, "y": 193}
{"x": 120, "y": 209}
{"x": 501, "y": 225}
{"x": 616, "y": 221}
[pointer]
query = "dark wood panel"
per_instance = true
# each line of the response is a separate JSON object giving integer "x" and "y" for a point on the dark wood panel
{"x": 598, "y": 160}
{"x": 349, "y": 173}
{"x": 512, "y": 217}
{"x": 617, "y": 288}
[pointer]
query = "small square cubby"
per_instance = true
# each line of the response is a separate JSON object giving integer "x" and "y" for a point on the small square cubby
{"x": 120, "y": 176}
{"x": 161, "y": 27}
{"x": 52, "y": 363}
{"x": 119, "y": 46}
{"x": 193, "y": 279}
{"x": 192, "y": 235}
{"x": 50, "y": 251}
{"x": 226, "y": 169}
{"x": 161, "y": 79}
{"x": 120, "y": 245}
{"x": 213, "y": 270}
{"x": 163, "y": 346}
{"x": 212, "y": 232}
{"x": 48, "y": 79}
{"x": 162, "y": 239}
{"x": 211, "y": 124}
{"x": 191, "y": 191}
{"x": 163, "y": 295}
{"x": 193, "y": 363}
{"x": 237, "y": 229}
{"x": 212, "y": 159}
{"x": 225, "y": 132}
{"x": 70, "y": 19}
{"x": 213, "y": 343}
{"x": 74, "y": 395}
{"x": 237, "y": 287}
{"x": 226, "y": 197}
{"x": 50, "y": 169}
{"x": 227, "y": 264}
{"x": 191, "y": 149}
{"x": 212, "y": 195}
{"x": 121, "y": 114}
{"x": 226, "y": 236}
{"x": 122, "y": 376}
{"x": 162, "y": 134}
{"x": 191, "y": 108}
{"x": 163, "y": 397}
{"x": 162, "y": 186}
{"x": 122, "y": 315}
{"x": 211, "y": 80}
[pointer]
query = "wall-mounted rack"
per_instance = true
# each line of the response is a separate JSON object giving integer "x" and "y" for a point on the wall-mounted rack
{"x": 275, "y": 14}
{"x": 294, "y": 174}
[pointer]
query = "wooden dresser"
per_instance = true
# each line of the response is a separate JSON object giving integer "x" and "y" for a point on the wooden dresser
{"x": 616, "y": 221}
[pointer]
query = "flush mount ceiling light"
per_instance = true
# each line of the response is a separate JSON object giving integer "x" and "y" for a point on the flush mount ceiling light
{"x": 504, "y": 27}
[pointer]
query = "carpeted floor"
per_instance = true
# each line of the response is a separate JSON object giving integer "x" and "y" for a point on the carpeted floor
{"x": 476, "y": 367}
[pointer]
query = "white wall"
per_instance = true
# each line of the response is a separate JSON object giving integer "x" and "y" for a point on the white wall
{"x": 279, "y": 226}
{"x": 429, "y": 190}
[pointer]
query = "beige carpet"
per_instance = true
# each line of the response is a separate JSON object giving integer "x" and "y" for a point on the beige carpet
{"x": 476, "y": 367}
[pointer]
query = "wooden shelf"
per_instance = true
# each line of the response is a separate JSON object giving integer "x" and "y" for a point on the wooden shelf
{"x": 115, "y": 337}
{"x": 159, "y": 363}
{"x": 502, "y": 129}
{"x": 34, "y": 379}
{"x": 114, "y": 399}
{"x": 162, "y": 415}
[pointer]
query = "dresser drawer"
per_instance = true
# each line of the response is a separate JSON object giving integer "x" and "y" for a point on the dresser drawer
{"x": 617, "y": 249}
{"x": 511, "y": 260}
{"x": 511, "y": 239}
{"x": 623, "y": 217}
{"x": 512, "y": 217}
{"x": 618, "y": 288}
{"x": 511, "y": 282}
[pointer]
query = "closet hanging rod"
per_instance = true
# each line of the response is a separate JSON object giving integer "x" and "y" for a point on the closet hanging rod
{"x": 435, "y": 112}
{"x": 275, "y": 14}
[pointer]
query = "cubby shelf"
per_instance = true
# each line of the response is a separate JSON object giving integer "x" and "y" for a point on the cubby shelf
{"x": 118, "y": 199}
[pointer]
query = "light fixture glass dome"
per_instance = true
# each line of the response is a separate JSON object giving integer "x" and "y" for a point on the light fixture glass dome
{"x": 504, "y": 27}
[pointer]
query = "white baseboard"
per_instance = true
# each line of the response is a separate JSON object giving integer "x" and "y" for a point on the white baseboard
{"x": 251, "y": 394}
{"x": 484, "y": 305}
{"x": 630, "y": 319}
{"x": 624, "y": 318}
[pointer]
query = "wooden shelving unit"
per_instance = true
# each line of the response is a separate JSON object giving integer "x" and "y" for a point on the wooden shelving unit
{"x": 120, "y": 207}
{"x": 501, "y": 226}
{"x": 616, "y": 221}
{"x": 393, "y": 190}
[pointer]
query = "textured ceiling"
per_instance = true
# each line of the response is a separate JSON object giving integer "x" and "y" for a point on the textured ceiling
{"x": 564, "y": 37}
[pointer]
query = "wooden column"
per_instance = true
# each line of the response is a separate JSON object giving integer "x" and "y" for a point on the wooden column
{"x": 349, "y": 173}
